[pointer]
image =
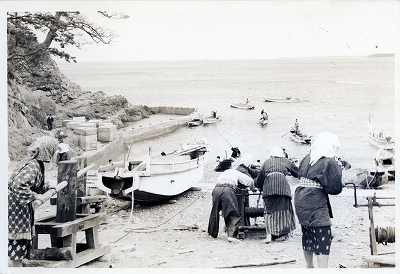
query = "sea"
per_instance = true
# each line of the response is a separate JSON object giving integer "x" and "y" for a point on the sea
{"x": 335, "y": 94}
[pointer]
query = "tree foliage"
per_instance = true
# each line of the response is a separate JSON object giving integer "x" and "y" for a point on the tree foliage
{"x": 61, "y": 29}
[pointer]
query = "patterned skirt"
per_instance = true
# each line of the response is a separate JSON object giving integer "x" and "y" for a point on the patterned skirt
{"x": 279, "y": 215}
{"x": 19, "y": 249}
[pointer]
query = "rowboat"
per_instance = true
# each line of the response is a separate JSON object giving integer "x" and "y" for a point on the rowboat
{"x": 385, "y": 162}
{"x": 286, "y": 99}
{"x": 378, "y": 139}
{"x": 194, "y": 123}
{"x": 262, "y": 121}
{"x": 211, "y": 120}
{"x": 299, "y": 137}
{"x": 154, "y": 178}
{"x": 242, "y": 106}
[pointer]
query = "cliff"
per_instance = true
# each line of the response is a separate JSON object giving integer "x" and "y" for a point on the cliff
{"x": 37, "y": 88}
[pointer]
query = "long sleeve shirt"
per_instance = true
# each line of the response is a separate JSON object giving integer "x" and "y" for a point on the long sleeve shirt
{"x": 233, "y": 177}
{"x": 272, "y": 176}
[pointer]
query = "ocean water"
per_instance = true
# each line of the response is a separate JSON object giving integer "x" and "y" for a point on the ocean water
{"x": 336, "y": 94}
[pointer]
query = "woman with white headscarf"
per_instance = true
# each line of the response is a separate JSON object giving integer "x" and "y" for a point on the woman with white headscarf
{"x": 278, "y": 209}
{"x": 26, "y": 191}
{"x": 320, "y": 174}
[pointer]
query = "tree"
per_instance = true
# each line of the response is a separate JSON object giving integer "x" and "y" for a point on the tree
{"x": 63, "y": 28}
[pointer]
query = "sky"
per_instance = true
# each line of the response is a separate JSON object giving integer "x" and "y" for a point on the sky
{"x": 197, "y": 30}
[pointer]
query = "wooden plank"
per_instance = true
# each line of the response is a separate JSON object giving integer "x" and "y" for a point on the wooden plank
{"x": 66, "y": 197}
{"x": 92, "y": 237}
{"x": 80, "y": 259}
{"x": 52, "y": 253}
{"x": 380, "y": 259}
{"x": 91, "y": 220}
{"x": 91, "y": 199}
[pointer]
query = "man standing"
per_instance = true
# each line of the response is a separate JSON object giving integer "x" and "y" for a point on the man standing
{"x": 50, "y": 120}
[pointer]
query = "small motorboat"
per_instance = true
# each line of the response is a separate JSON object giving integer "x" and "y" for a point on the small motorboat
{"x": 194, "y": 122}
{"x": 211, "y": 120}
{"x": 286, "y": 99}
{"x": 378, "y": 139}
{"x": 242, "y": 105}
{"x": 299, "y": 137}
{"x": 154, "y": 178}
{"x": 262, "y": 121}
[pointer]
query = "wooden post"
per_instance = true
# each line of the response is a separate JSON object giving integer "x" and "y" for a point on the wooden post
{"x": 374, "y": 250}
{"x": 66, "y": 198}
{"x": 81, "y": 189}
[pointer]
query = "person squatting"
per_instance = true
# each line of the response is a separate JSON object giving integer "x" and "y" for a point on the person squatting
{"x": 319, "y": 174}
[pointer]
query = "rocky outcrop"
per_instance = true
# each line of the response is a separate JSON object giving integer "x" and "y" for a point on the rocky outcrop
{"x": 36, "y": 88}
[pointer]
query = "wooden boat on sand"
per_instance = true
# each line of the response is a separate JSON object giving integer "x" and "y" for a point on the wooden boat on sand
{"x": 242, "y": 106}
{"x": 299, "y": 137}
{"x": 155, "y": 178}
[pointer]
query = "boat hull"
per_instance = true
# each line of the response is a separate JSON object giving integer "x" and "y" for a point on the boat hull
{"x": 381, "y": 143}
{"x": 168, "y": 179}
{"x": 303, "y": 139}
{"x": 278, "y": 100}
{"x": 211, "y": 120}
{"x": 242, "y": 106}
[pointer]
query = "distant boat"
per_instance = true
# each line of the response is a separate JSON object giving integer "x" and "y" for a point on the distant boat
{"x": 262, "y": 121}
{"x": 194, "y": 123}
{"x": 157, "y": 177}
{"x": 286, "y": 99}
{"x": 378, "y": 139}
{"x": 299, "y": 137}
{"x": 211, "y": 120}
{"x": 242, "y": 106}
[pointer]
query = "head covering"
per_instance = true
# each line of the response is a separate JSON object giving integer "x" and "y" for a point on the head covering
{"x": 62, "y": 148}
{"x": 325, "y": 145}
{"x": 247, "y": 159}
{"x": 276, "y": 152}
{"x": 43, "y": 148}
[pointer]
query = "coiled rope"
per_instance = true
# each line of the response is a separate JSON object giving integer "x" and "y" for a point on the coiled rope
{"x": 385, "y": 235}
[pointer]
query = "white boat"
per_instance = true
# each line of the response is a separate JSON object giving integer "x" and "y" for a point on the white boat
{"x": 194, "y": 123}
{"x": 378, "y": 139}
{"x": 286, "y": 99}
{"x": 211, "y": 120}
{"x": 385, "y": 163}
{"x": 242, "y": 106}
{"x": 299, "y": 137}
{"x": 157, "y": 177}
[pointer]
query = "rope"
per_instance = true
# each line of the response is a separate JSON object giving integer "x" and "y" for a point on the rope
{"x": 385, "y": 235}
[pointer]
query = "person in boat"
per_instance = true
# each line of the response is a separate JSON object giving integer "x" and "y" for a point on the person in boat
{"x": 320, "y": 175}
{"x": 224, "y": 198}
{"x": 235, "y": 152}
{"x": 245, "y": 167}
{"x": 27, "y": 190}
{"x": 264, "y": 115}
{"x": 247, "y": 101}
{"x": 213, "y": 113}
{"x": 296, "y": 127}
{"x": 279, "y": 214}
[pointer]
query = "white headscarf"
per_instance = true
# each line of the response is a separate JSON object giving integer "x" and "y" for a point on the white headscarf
{"x": 43, "y": 148}
{"x": 325, "y": 145}
{"x": 276, "y": 152}
{"x": 63, "y": 148}
{"x": 246, "y": 159}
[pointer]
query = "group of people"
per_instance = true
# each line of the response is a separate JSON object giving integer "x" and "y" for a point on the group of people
{"x": 319, "y": 175}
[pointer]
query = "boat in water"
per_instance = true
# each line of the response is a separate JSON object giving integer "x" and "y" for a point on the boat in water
{"x": 299, "y": 137}
{"x": 194, "y": 123}
{"x": 242, "y": 105}
{"x": 156, "y": 178}
{"x": 211, "y": 120}
{"x": 379, "y": 139}
{"x": 286, "y": 99}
